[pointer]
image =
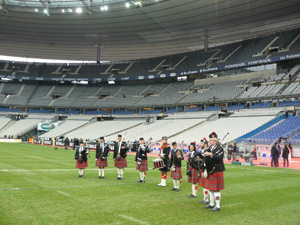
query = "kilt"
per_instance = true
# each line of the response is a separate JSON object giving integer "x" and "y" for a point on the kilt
{"x": 143, "y": 167}
{"x": 82, "y": 165}
{"x": 177, "y": 173}
{"x": 100, "y": 163}
{"x": 121, "y": 164}
{"x": 215, "y": 182}
{"x": 202, "y": 180}
{"x": 194, "y": 178}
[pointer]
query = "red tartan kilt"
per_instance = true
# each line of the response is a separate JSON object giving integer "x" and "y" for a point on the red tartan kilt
{"x": 177, "y": 173}
{"x": 100, "y": 163}
{"x": 194, "y": 178}
{"x": 215, "y": 182}
{"x": 143, "y": 167}
{"x": 121, "y": 164}
{"x": 202, "y": 180}
{"x": 81, "y": 165}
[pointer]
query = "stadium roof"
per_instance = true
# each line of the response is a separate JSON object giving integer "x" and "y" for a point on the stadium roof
{"x": 156, "y": 28}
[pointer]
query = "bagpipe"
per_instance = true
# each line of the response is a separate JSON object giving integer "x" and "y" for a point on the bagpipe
{"x": 81, "y": 153}
{"x": 146, "y": 148}
{"x": 125, "y": 145}
{"x": 191, "y": 163}
{"x": 209, "y": 163}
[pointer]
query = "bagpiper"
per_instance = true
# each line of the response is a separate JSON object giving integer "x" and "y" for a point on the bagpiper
{"x": 164, "y": 155}
{"x": 214, "y": 166}
{"x": 81, "y": 158}
{"x": 120, "y": 154}
{"x": 193, "y": 170}
{"x": 175, "y": 165}
{"x": 102, "y": 150}
{"x": 204, "y": 147}
{"x": 141, "y": 159}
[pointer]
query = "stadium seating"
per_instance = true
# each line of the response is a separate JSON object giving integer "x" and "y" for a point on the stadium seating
{"x": 3, "y": 122}
{"x": 212, "y": 108}
{"x": 261, "y": 105}
{"x": 235, "y": 107}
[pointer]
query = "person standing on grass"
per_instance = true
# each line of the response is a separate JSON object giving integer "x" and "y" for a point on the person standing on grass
{"x": 175, "y": 165}
{"x": 164, "y": 155}
{"x": 193, "y": 169}
{"x": 101, "y": 157}
{"x": 141, "y": 159}
{"x": 120, "y": 154}
{"x": 81, "y": 158}
{"x": 202, "y": 180}
{"x": 215, "y": 181}
{"x": 285, "y": 155}
{"x": 274, "y": 154}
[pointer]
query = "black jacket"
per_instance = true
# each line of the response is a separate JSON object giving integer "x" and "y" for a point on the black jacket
{"x": 100, "y": 151}
{"x": 285, "y": 152}
{"x": 274, "y": 150}
{"x": 123, "y": 152}
{"x": 193, "y": 160}
{"x": 84, "y": 154}
{"x": 174, "y": 160}
{"x": 165, "y": 151}
{"x": 218, "y": 155}
{"x": 142, "y": 152}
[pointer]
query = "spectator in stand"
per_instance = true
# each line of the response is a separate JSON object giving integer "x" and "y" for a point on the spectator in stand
{"x": 274, "y": 154}
{"x": 254, "y": 153}
{"x": 67, "y": 143}
{"x": 285, "y": 155}
{"x": 229, "y": 151}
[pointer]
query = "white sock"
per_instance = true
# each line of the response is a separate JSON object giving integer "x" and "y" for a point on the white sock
{"x": 119, "y": 172}
{"x": 102, "y": 172}
{"x": 194, "y": 189}
{"x": 141, "y": 175}
{"x": 205, "y": 194}
{"x": 178, "y": 184}
{"x": 217, "y": 198}
{"x": 122, "y": 172}
{"x": 211, "y": 197}
{"x": 144, "y": 175}
{"x": 175, "y": 183}
{"x": 79, "y": 171}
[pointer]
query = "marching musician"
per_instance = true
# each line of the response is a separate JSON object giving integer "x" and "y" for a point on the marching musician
{"x": 175, "y": 165}
{"x": 141, "y": 159}
{"x": 120, "y": 154}
{"x": 215, "y": 181}
{"x": 81, "y": 158}
{"x": 101, "y": 157}
{"x": 193, "y": 170}
{"x": 204, "y": 147}
{"x": 164, "y": 155}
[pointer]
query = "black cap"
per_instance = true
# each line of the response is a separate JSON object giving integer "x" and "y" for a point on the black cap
{"x": 213, "y": 135}
{"x": 101, "y": 138}
{"x": 119, "y": 135}
{"x": 174, "y": 143}
{"x": 81, "y": 142}
{"x": 141, "y": 139}
{"x": 164, "y": 138}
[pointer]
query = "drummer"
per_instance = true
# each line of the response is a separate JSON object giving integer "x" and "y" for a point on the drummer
{"x": 164, "y": 155}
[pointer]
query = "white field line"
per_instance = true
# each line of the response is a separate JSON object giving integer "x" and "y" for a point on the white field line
{"x": 134, "y": 220}
{"x": 63, "y": 193}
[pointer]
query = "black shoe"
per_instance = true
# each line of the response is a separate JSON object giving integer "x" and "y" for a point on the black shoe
{"x": 215, "y": 209}
{"x": 79, "y": 175}
{"x": 192, "y": 196}
{"x": 118, "y": 178}
{"x": 176, "y": 190}
{"x": 209, "y": 207}
{"x": 99, "y": 177}
{"x": 140, "y": 181}
{"x": 103, "y": 177}
{"x": 203, "y": 202}
{"x": 173, "y": 189}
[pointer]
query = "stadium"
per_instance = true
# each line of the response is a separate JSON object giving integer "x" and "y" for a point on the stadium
{"x": 100, "y": 100}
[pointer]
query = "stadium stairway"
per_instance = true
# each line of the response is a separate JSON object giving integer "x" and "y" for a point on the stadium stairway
{"x": 260, "y": 129}
{"x": 197, "y": 125}
{"x": 8, "y": 125}
{"x": 128, "y": 128}
{"x": 82, "y": 126}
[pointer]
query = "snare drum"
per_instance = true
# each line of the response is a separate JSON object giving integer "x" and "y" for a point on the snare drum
{"x": 158, "y": 164}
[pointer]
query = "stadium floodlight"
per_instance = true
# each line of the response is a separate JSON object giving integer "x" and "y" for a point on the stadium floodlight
{"x": 70, "y": 10}
{"x": 101, "y": 8}
{"x": 63, "y": 11}
{"x": 127, "y": 4}
{"x": 79, "y": 10}
{"x": 105, "y": 7}
{"x": 46, "y": 11}
{"x": 111, "y": 82}
{"x": 36, "y": 10}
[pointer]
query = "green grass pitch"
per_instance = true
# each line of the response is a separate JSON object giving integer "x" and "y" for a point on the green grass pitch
{"x": 51, "y": 193}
